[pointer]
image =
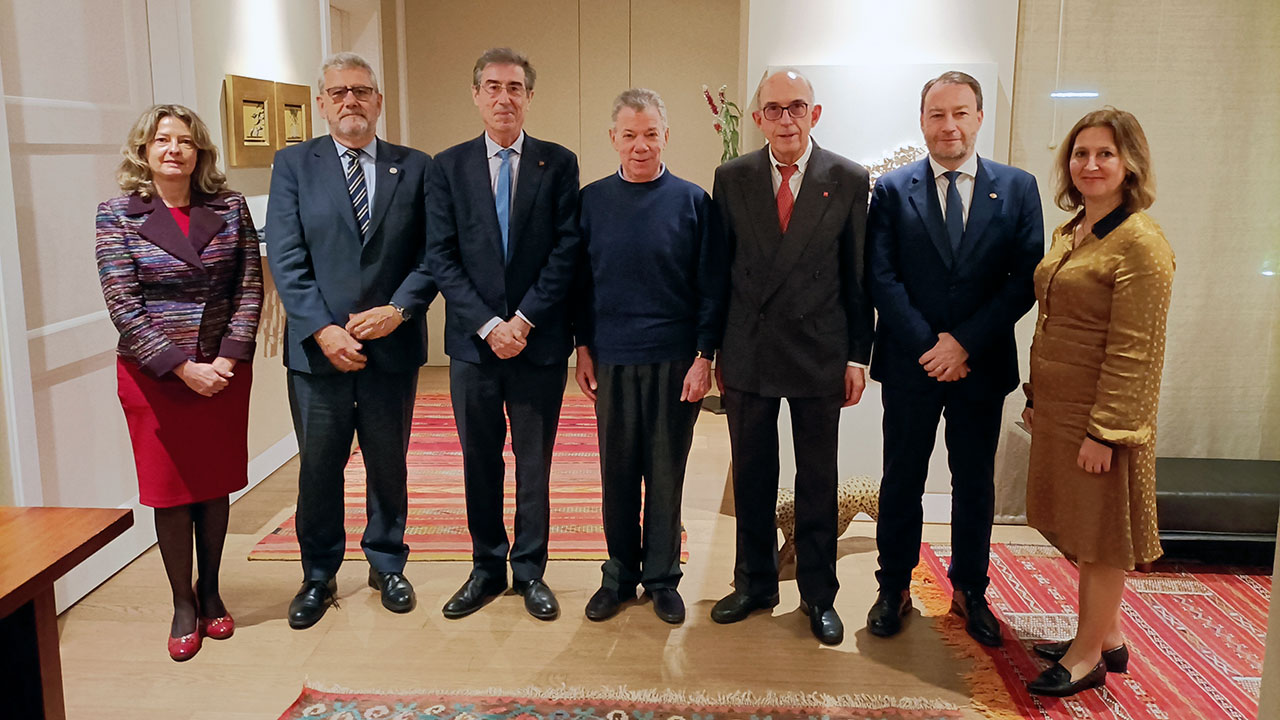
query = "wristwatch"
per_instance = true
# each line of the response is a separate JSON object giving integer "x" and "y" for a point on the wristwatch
{"x": 704, "y": 355}
{"x": 404, "y": 314}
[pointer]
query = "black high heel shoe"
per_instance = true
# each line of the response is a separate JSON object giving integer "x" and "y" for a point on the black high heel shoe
{"x": 1055, "y": 681}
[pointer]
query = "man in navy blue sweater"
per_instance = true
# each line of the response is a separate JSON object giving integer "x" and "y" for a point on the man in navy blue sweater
{"x": 650, "y": 304}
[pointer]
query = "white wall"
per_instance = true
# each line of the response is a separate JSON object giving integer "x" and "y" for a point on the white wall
{"x": 871, "y": 32}
{"x": 868, "y": 34}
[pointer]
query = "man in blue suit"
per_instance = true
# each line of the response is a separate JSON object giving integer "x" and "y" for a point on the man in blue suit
{"x": 952, "y": 243}
{"x": 346, "y": 240}
{"x": 503, "y": 244}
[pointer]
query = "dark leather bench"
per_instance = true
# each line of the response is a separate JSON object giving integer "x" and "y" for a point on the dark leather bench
{"x": 1219, "y": 506}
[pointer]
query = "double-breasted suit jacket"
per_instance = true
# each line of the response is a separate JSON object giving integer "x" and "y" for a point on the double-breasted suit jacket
{"x": 175, "y": 297}
{"x": 798, "y": 313}
{"x": 798, "y": 307}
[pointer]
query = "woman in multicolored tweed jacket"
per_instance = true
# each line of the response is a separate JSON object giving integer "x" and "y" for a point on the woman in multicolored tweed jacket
{"x": 182, "y": 278}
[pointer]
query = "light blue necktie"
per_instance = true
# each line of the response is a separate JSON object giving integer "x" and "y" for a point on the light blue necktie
{"x": 955, "y": 211}
{"x": 359, "y": 192}
{"x": 503, "y": 196}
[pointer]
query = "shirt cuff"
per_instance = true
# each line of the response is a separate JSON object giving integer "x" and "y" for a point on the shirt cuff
{"x": 522, "y": 317}
{"x": 857, "y": 364}
{"x": 488, "y": 327}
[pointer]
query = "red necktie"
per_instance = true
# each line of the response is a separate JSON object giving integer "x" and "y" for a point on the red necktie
{"x": 786, "y": 200}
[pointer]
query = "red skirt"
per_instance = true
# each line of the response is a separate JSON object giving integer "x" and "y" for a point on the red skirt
{"x": 188, "y": 448}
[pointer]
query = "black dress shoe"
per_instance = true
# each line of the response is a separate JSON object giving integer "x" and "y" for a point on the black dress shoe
{"x": 1116, "y": 659}
{"x": 397, "y": 593}
{"x": 885, "y": 617}
{"x": 605, "y": 604}
{"x": 1056, "y": 681}
{"x": 824, "y": 623}
{"x": 313, "y": 598}
{"x": 738, "y": 605}
{"x": 980, "y": 623}
{"x": 668, "y": 605}
{"x": 473, "y": 595}
{"x": 538, "y": 599}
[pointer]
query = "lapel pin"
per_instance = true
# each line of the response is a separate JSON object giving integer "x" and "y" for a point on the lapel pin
{"x": 541, "y": 163}
{"x": 393, "y": 171}
{"x": 993, "y": 196}
{"x": 826, "y": 194}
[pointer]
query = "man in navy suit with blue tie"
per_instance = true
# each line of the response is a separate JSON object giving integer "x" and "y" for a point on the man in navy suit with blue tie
{"x": 346, "y": 241}
{"x": 503, "y": 244}
{"x": 952, "y": 243}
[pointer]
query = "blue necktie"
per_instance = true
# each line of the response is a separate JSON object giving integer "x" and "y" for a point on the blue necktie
{"x": 359, "y": 191}
{"x": 503, "y": 195}
{"x": 955, "y": 211}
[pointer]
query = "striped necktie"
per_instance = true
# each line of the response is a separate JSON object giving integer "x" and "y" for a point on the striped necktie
{"x": 359, "y": 191}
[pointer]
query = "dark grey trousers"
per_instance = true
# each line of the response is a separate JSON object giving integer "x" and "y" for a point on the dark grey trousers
{"x": 645, "y": 436}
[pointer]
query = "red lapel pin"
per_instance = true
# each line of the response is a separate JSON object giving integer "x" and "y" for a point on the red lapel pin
{"x": 826, "y": 194}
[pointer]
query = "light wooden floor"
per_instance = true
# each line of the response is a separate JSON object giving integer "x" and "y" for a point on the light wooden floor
{"x": 116, "y": 667}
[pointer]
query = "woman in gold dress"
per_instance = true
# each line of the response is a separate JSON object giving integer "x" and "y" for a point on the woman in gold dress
{"x": 1103, "y": 289}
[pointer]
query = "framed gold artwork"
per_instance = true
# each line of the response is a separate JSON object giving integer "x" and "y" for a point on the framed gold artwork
{"x": 252, "y": 122}
{"x": 293, "y": 114}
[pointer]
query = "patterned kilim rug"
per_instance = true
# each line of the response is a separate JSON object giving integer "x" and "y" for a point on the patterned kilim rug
{"x": 1196, "y": 637}
{"x": 437, "y": 523}
{"x": 568, "y": 704}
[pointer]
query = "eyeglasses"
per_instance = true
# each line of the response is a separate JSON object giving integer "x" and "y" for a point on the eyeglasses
{"x": 362, "y": 92}
{"x": 493, "y": 88}
{"x": 774, "y": 112}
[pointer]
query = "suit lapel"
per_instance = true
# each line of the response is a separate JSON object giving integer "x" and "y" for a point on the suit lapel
{"x": 984, "y": 205}
{"x": 206, "y": 221}
{"x": 479, "y": 188}
{"x": 762, "y": 207}
{"x": 161, "y": 230}
{"x": 817, "y": 191}
{"x": 329, "y": 168}
{"x": 923, "y": 195}
{"x": 528, "y": 180}
{"x": 389, "y": 168}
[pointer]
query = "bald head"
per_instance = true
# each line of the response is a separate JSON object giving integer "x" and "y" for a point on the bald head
{"x": 787, "y": 76}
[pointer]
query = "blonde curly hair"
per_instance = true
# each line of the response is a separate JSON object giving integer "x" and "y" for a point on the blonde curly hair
{"x": 134, "y": 175}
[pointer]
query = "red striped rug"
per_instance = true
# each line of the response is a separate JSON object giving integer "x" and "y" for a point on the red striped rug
{"x": 1196, "y": 637}
{"x": 437, "y": 522}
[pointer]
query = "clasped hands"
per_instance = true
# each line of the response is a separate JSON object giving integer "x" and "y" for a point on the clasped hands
{"x": 947, "y": 360}
{"x": 509, "y": 337}
{"x": 207, "y": 379}
{"x": 342, "y": 346}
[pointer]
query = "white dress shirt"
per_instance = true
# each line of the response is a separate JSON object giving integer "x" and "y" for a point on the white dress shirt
{"x": 801, "y": 165}
{"x": 368, "y": 163}
{"x": 964, "y": 183}
{"x": 796, "y": 178}
{"x": 495, "y": 164}
{"x": 492, "y": 149}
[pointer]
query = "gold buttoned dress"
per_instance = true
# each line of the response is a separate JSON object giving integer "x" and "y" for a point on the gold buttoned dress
{"x": 1096, "y": 362}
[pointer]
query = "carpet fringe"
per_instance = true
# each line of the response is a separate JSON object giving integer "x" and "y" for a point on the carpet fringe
{"x": 742, "y": 698}
{"x": 989, "y": 695}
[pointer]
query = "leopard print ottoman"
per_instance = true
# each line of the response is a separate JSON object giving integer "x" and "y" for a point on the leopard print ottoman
{"x": 859, "y": 494}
